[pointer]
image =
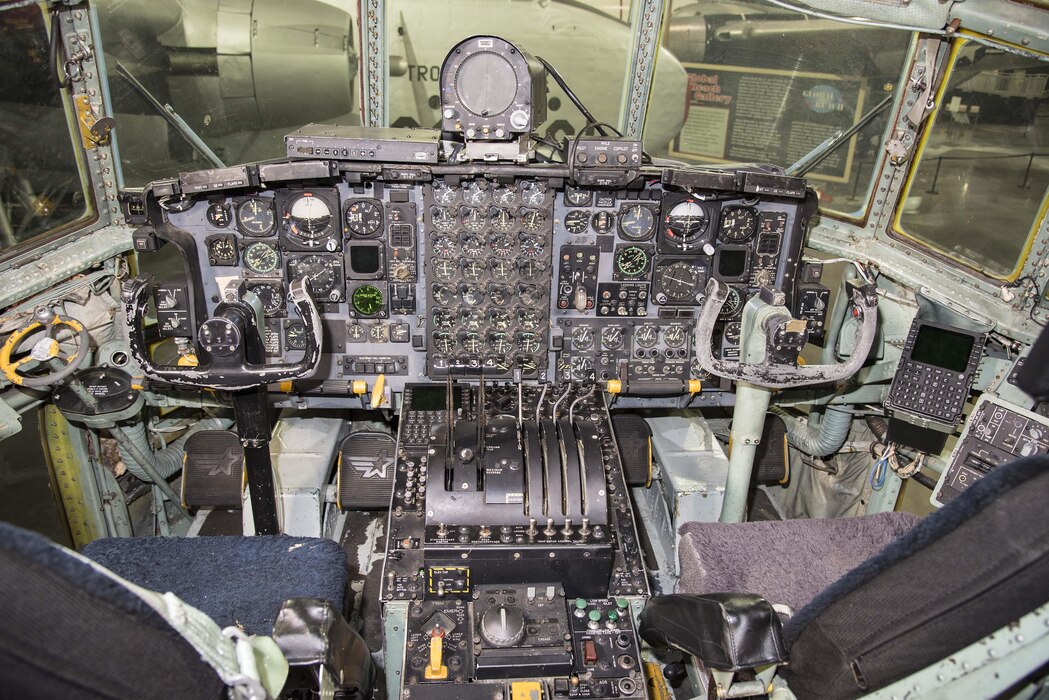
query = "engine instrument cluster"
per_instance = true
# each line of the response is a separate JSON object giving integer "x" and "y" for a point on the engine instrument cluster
{"x": 501, "y": 271}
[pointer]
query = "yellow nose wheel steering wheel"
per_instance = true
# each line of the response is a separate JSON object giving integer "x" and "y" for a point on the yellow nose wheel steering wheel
{"x": 45, "y": 351}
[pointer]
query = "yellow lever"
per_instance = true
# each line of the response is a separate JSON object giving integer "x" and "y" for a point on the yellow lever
{"x": 378, "y": 391}
{"x": 436, "y": 669}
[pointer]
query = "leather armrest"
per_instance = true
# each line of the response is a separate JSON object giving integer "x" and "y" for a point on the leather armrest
{"x": 726, "y": 631}
{"x": 311, "y": 632}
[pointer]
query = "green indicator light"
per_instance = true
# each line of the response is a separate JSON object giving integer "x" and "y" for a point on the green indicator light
{"x": 621, "y": 603}
{"x": 613, "y": 615}
{"x": 580, "y": 603}
{"x": 595, "y": 615}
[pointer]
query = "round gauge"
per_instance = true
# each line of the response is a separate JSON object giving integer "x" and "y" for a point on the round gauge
{"x": 501, "y": 363}
{"x": 473, "y": 270}
{"x": 502, "y": 244}
{"x": 502, "y": 270}
{"x": 500, "y": 342}
{"x": 674, "y": 336}
{"x": 472, "y": 245}
{"x": 583, "y": 338}
{"x": 530, "y": 318}
{"x": 526, "y": 363}
{"x": 577, "y": 197}
{"x": 582, "y": 369}
{"x": 533, "y": 193}
{"x": 295, "y": 336}
{"x": 367, "y": 300}
{"x": 443, "y": 194}
{"x": 443, "y": 218}
{"x": 531, "y": 246}
{"x": 443, "y": 245}
{"x": 473, "y": 218}
{"x": 738, "y": 223}
{"x": 646, "y": 336}
{"x": 531, "y": 294}
{"x": 443, "y": 318}
{"x": 472, "y": 294}
{"x": 255, "y": 217}
{"x": 679, "y": 281}
{"x": 502, "y": 219}
{"x": 444, "y": 295}
{"x": 261, "y": 258}
{"x": 632, "y": 261}
{"x": 471, "y": 319}
{"x": 533, "y": 220}
{"x": 270, "y": 294}
{"x": 443, "y": 341}
{"x": 309, "y": 216}
{"x": 471, "y": 342}
{"x": 733, "y": 304}
{"x": 500, "y": 294}
{"x": 636, "y": 222}
{"x": 577, "y": 221}
{"x": 603, "y": 221}
{"x": 222, "y": 250}
{"x": 528, "y": 342}
{"x": 475, "y": 192}
{"x": 501, "y": 319}
{"x": 504, "y": 195}
{"x": 364, "y": 218}
{"x": 355, "y": 332}
{"x": 319, "y": 271}
{"x": 686, "y": 222}
{"x": 379, "y": 333}
{"x": 444, "y": 269}
{"x": 612, "y": 337}
{"x": 485, "y": 83}
{"x": 732, "y": 332}
{"x": 530, "y": 270}
{"x": 219, "y": 215}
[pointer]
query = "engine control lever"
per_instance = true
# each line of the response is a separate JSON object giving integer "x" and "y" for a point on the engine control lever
{"x": 773, "y": 374}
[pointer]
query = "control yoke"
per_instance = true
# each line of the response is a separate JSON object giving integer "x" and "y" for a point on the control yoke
{"x": 226, "y": 343}
{"x": 778, "y": 372}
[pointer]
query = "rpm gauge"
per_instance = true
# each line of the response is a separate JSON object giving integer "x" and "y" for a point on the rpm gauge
{"x": 686, "y": 225}
{"x": 443, "y": 218}
{"x": 261, "y": 258}
{"x": 577, "y": 221}
{"x": 738, "y": 223}
{"x": 255, "y": 217}
{"x": 636, "y": 222}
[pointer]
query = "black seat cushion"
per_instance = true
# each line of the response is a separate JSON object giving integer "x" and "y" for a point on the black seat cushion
{"x": 235, "y": 580}
{"x": 976, "y": 565}
{"x": 784, "y": 561}
{"x": 726, "y": 631}
{"x": 69, "y": 631}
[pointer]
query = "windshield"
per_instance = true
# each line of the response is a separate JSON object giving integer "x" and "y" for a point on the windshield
{"x": 768, "y": 85}
{"x": 988, "y": 137}
{"x": 200, "y": 81}
{"x": 41, "y": 186}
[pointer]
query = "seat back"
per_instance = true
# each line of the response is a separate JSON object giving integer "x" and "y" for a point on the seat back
{"x": 971, "y": 568}
{"x": 70, "y": 631}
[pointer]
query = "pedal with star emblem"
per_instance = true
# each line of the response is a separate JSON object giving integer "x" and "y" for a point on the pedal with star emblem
{"x": 366, "y": 470}
{"x": 213, "y": 470}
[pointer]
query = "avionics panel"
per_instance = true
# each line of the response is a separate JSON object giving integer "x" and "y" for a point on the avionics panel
{"x": 496, "y": 270}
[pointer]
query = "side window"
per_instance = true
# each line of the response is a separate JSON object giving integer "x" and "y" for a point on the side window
{"x": 978, "y": 189}
{"x": 766, "y": 84}
{"x": 41, "y": 183}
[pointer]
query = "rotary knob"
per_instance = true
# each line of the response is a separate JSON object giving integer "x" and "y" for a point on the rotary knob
{"x": 503, "y": 625}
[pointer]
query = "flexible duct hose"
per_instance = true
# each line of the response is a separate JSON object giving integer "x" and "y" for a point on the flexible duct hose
{"x": 818, "y": 442}
{"x": 168, "y": 460}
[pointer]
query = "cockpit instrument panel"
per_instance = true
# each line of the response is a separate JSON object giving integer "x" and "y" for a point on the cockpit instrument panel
{"x": 497, "y": 270}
